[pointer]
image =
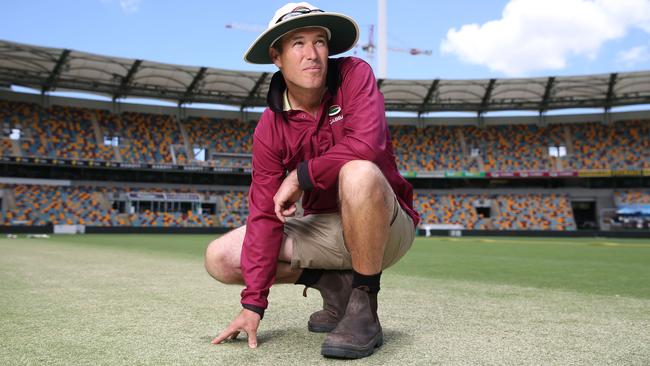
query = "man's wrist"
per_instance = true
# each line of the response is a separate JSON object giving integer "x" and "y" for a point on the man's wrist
{"x": 255, "y": 309}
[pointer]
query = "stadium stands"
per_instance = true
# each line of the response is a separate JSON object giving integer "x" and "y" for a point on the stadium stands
{"x": 429, "y": 148}
{"x": 226, "y": 136}
{"x": 507, "y": 212}
{"x": 77, "y": 133}
{"x": 514, "y": 148}
{"x": 100, "y": 206}
{"x": 534, "y": 212}
{"x": 633, "y": 197}
{"x": 72, "y": 133}
{"x": 623, "y": 145}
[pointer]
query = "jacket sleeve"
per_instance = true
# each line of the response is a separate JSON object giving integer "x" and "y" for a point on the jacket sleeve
{"x": 365, "y": 129}
{"x": 264, "y": 231}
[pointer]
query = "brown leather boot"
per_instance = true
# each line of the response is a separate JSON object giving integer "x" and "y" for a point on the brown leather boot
{"x": 335, "y": 288}
{"x": 359, "y": 332}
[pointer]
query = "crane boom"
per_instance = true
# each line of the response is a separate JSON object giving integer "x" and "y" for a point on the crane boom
{"x": 245, "y": 27}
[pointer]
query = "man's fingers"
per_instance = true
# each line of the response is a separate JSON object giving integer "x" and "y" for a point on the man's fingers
{"x": 289, "y": 211}
{"x": 252, "y": 338}
{"x": 228, "y": 333}
{"x": 278, "y": 212}
{"x": 282, "y": 213}
{"x": 231, "y": 335}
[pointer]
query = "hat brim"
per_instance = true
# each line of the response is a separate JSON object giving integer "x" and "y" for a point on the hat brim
{"x": 344, "y": 30}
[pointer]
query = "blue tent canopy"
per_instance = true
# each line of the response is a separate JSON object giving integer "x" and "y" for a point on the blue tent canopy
{"x": 636, "y": 209}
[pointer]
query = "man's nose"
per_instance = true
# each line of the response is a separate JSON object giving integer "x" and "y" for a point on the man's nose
{"x": 310, "y": 51}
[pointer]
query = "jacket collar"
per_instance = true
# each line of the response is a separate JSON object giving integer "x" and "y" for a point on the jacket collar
{"x": 275, "y": 97}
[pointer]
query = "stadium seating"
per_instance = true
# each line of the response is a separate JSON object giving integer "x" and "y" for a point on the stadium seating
{"x": 429, "y": 148}
{"x": 89, "y": 134}
{"x": 144, "y": 138}
{"x": 73, "y": 133}
{"x": 514, "y": 148}
{"x": 620, "y": 146}
{"x": 39, "y": 205}
{"x": 221, "y": 135}
{"x": 236, "y": 203}
{"x": 508, "y": 212}
{"x": 93, "y": 206}
{"x": 5, "y": 147}
{"x": 632, "y": 197}
{"x": 534, "y": 212}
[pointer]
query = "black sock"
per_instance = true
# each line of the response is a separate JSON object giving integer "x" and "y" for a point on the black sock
{"x": 309, "y": 276}
{"x": 370, "y": 282}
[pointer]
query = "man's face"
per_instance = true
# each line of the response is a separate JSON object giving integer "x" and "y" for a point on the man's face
{"x": 303, "y": 59}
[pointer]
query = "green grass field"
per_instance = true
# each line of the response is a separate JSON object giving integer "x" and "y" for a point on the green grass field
{"x": 146, "y": 299}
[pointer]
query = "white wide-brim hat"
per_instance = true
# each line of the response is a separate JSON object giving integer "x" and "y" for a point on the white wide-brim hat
{"x": 343, "y": 31}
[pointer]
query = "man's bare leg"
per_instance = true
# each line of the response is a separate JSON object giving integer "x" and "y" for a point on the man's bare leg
{"x": 366, "y": 210}
{"x": 367, "y": 204}
{"x": 222, "y": 259}
{"x": 222, "y": 262}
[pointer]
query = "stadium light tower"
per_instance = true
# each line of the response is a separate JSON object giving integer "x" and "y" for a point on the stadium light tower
{"x": 382, "y": 44}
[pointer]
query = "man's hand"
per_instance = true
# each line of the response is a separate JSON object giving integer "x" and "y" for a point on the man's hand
{"x": 286, "y": 197}
{"x": 247, "y": 321}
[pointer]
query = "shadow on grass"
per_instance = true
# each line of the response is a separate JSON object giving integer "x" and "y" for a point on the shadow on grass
{"x": 278, "y": 335}
{"x": 293, "y": 336}
{"x": 395, "y": 335}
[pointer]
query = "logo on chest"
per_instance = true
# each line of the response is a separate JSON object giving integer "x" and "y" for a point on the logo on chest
{"x": 334, "y": 113}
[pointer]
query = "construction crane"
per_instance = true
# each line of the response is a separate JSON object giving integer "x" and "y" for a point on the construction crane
{"x": 370, "y": 47}
{"x": 246, "y": 27}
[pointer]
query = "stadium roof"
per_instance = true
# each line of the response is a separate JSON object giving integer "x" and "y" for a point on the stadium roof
{"x": 48, "y": 69}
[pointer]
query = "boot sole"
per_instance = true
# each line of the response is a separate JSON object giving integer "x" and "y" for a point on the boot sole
{"x": 319, "y": 328}
{"x": 353, "y": 352}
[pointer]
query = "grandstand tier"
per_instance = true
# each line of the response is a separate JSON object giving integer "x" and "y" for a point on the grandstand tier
{"x": 78, "y": 134}
{"x": 91, "y": 146}
{"x": 113, "y": 205}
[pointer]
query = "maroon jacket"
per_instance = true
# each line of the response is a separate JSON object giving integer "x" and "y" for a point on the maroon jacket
{"x": 351, "y": 125}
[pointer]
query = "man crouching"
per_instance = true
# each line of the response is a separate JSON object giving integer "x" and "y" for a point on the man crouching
{"x": 322, "y": 138}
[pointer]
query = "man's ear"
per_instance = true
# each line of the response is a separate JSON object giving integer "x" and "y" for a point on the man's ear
{"x": 275, "y": 57}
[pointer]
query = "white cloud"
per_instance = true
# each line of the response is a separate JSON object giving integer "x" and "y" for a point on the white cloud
{"x": 633, "y": 56}
{"x": 127, "y": 6}
{"x": 130, "y": 6}
{"x": 534, "y": 35}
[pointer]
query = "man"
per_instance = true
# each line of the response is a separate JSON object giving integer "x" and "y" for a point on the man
{"x": 324, "y": 138}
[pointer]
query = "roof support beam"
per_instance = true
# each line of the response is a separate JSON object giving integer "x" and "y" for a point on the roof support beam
{"x": 126, "y": 81}
{"x": 610, "y": 91}
{"x": 191, "y": 90}
{"x": 427, "y": 98}
{"x": 56, "y": 72}
{"x": 253, "y": 91}
{"x": 485, "y": 102}
{"x": 550, "y": 84}
{"x": 609, "y": 97}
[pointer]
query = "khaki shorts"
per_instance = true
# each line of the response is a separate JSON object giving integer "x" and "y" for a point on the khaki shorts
{"x": 318, "y": 240}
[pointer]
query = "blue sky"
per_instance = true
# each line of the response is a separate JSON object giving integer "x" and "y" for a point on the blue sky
{"x": 468, "y": 39}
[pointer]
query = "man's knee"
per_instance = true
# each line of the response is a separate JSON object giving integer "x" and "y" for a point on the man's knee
{"x": 362, "y": 180}
{"x": 222, "y": 259}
